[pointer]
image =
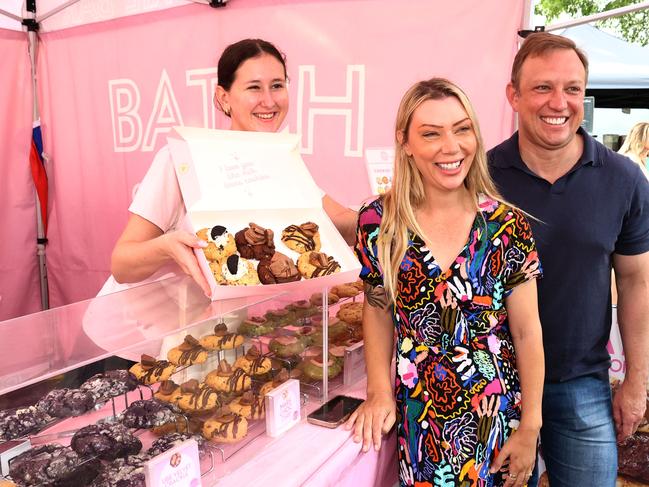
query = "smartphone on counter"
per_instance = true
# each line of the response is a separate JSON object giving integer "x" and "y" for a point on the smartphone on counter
{"x": 334, "y": 412}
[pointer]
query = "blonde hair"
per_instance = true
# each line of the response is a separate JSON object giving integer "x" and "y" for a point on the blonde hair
{"x": 407, "y": 192}
{"x": 637, "y": 141}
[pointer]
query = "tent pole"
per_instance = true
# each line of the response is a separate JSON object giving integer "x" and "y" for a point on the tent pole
{"x": 10, "y": 15}
{"x": 600, "y": 16}
{"x": 56, "y": 10}
{"x": 40, "y": 227}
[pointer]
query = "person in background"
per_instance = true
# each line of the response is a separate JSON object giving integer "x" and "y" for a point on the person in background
{"x": 592, "y": 213}
{"x": 252, "y": 91}
{"x": 636, "y": 145}
{"x": 453, "y": 269}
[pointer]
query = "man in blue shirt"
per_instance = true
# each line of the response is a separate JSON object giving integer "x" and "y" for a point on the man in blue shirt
{"x": 592, "y": 213}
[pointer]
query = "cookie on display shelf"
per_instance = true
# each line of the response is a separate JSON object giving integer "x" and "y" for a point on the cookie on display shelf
{"x": 225, "y": 427}
{"x": 150, "y": 370}
{"x": 188, "y": 352}
{"x": 221, "y": 339}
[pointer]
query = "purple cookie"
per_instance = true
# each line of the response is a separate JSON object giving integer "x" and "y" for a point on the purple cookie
{"x": 20, "y": 422}
{"x": 110, "y": 384}
{"x": 53, "y": 465}
{"x": 64, "y": 403}
{"x": 106, "y": 441}
{"x": 147, "y": 414}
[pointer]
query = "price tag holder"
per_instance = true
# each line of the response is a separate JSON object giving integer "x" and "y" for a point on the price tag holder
{"x": 9, "y": 450}
{"x": 283, "y": 408}
{"x": 178, "y": 467}
{"x": 354, "y": 367}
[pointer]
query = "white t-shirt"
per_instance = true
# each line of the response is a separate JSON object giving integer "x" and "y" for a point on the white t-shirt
{"x": 158, "y": 200}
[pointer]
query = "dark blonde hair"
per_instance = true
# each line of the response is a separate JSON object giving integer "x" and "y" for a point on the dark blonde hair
{"x": 538, "y": 44}
{"x": 407, "y": 192}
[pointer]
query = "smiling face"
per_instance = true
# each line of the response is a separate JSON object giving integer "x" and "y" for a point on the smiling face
{"x": 258, "y": 98}
{"x": 442, "y": 142}
{"x": 549, "y": 99}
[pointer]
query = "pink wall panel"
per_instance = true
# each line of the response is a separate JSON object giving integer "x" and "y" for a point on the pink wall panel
{"x": 112, "y": 90}
{"x": 19, "y": 287}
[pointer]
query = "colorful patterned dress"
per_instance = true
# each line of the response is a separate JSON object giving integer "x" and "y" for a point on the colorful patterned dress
{"x": 457, "y": 388}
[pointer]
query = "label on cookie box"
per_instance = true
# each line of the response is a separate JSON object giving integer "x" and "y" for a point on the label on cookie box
{"x": 283, "y": 408}
{"x": 177, "y": 467}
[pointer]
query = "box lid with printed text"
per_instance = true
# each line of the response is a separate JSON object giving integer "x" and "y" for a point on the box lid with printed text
{"x": 232, "y": 178}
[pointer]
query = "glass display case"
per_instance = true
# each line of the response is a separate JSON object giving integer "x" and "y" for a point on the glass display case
{"x": 272, "y": 336}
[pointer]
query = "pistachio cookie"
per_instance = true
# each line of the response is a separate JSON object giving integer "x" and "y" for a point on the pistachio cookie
{"x": 255, "y": 242}
{"x": 149, "y": 370}
{"x": 255, "y": 326}
{"x": 302, "y": 238}
{"x": 235, "y": 271}
{"x": 222, "y": 339}
{"x": 220, "y": 243}
{"x": 316, "y": 264}
{"x": 286, "y": 346}
{"x": 188, "y": 352}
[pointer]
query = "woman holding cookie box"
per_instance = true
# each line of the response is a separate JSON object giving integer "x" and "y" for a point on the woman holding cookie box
{"x": 252, "y": 91}
{"x": 453, "y": 268}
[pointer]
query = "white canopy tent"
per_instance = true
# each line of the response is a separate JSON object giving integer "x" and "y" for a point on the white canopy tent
{"x": 618, "y": 70}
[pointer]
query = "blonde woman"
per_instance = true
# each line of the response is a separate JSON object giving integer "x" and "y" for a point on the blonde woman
{"x": 636, "y": 144}
{"x": 452, "y": 268}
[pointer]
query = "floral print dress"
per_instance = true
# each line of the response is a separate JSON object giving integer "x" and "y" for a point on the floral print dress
{"x": 457, "y": 388}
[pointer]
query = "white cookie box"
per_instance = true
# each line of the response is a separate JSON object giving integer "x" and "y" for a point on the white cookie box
{"x": 233, "y": 178}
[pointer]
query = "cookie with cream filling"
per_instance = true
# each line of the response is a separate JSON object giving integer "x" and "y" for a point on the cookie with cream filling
{"x": 220, "y": 243}
{"x": 235, "y": 271}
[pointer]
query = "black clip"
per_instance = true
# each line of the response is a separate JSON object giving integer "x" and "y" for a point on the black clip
{"x": 524, "y": 33}
{"x": 218, "y": 3}
{"x": 41, "y": 241}
{"x": 31, "y": 24}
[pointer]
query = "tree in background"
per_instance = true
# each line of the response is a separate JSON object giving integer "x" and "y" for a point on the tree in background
{"x": 633, "y": 27}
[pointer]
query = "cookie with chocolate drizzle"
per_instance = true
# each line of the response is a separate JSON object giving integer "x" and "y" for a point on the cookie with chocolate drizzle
{"x": 316, "y": 264}
{"x": 255, "y": 242}
{"x": 221, "y": 339}
{"x": 188, "y": 352}
{"x": 253, "y": 362}
{"x": 196, "y": 397}
{"x": 226, "y": 379}
{"x": 281, "y": 377}
{"x": 220, "y": 243}
{"x": 149, "y": 370}
{"x": 249, "y": 405}
{"x": 302, "y": 238}
{"x": 225, "y": 427}
{"x": 168, "y": 391}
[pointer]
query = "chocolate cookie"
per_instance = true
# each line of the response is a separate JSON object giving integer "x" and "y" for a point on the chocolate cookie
{"x": 316, "y": 264}
{"x": 20, "y": 422}
{"x": 255, "y": 242}
{"x": 109, "y": 384}
{"x": 64, "y": 403}
{"x": 302, "y": 238}
{"x": 632, "y": 456}
{"x": 122, "y": 472}
{"x": 277, "y": 269}
{"x": 171, "y": 440}
{"x": 147, "y": 414}
{"x": 53, "y": 465}
{"x": 106, "y": 441}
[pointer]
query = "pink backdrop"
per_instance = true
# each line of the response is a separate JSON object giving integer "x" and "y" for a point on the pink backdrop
{"x": 110, "y": 92}
{"x": 19, "y": 288}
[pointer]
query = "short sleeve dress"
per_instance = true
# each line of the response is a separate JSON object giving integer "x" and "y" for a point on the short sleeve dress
{"x": 457, "y": 387}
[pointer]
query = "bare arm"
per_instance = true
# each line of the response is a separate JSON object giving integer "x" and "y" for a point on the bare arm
{"x": 143, "y": 248}
{"x": 525, "y": 327}
{"x": 377, "y": 414}
{"x": 342, "y": 217}
{"x": 632, "y": 280}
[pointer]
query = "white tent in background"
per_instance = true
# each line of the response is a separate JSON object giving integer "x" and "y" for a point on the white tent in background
{"x": 618, "y": 70}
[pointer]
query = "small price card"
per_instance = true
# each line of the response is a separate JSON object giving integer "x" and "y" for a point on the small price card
{"x": 283, "y": 408}
{"x": 177, "y": 467}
